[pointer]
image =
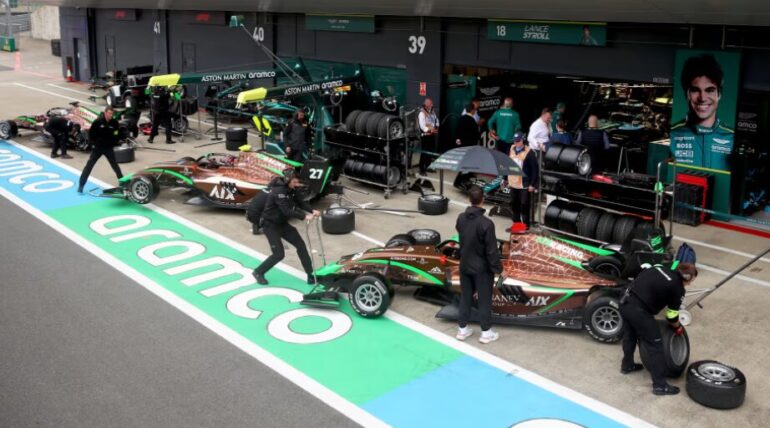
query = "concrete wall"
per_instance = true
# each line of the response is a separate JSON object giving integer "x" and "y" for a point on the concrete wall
{"x": 45, "y": 23}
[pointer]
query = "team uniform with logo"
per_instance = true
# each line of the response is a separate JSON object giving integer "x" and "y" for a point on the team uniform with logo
{"x": 708, "y": 147}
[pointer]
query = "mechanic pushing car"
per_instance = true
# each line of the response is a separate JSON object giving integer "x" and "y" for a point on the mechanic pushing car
{"x": 653, "y": 289}
{"x": 283, "y": 203}
{"x": 104, "y": 136}
{"x": 160, "y": 104}
{"x": 479, "y": 262}
{"x": 60, "y": 129}
{"x": 295, "y": 137}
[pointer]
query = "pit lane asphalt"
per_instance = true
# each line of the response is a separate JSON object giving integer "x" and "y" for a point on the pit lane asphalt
{"x": 81, "y": 345}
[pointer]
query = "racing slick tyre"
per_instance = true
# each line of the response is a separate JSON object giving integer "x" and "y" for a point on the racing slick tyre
{"x": 367, "y": 171}
{"x": 568, "y": 217}
{"x": 553, "y": 212}
{"x": 606, "y": 265}
{"x": 551, "y": 158}
{"x": 399, "y": 240}
{"x": 605, "y": 227}
{"x": 623, "y": 227}
{"x": 716, "y": 385}
{"x": 8, "y": 129}
{"x": 575, "y": 159}
{"x": 109, "y": 99}
{"x": 234, "y": 138}
{"x": 587, "y": 221}
{"x": 373, "y": 123}
{"x": 338, "y": 220}
{"x": 393, "y": 129}
{"x": 676, "y": 350}
{"x": 350, "y": 121}
{"x": 370, "y": 296}
{"x": 425, "y": 236}
{"x": 124, "y": 154}
{"x": 602, "y": 320}
{"x": 433, "y": 204}
{"x": 142, "y": 189}
{"x": 362, "y": 120}
{"x": 180, "y": 124}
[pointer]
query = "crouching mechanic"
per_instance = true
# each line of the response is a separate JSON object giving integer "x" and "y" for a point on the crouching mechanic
{"x": 653, "y": 289}
{"x": 283, "y": 203}
{"x": 60, "y": 129}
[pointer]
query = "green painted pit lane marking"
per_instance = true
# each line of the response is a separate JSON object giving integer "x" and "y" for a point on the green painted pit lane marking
{"x": 413, "y": 269}
{"x": 371, "y": 367}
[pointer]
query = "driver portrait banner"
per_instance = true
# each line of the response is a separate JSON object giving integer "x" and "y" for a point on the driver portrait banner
{"x": 388, "y": 371}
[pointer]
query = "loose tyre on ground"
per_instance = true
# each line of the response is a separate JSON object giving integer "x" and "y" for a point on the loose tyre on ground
{"x": 425, "y": 236}
{"x": 676, "y": 350}
{"x": 433, "y": 204}
{"x": 180, "y": 125}
{"x": 602, "y": 320}
{"x": 370, "y": 296}
{"x": 338, "y": 221}
{"x": 716, "y": 385}
{"x": 605, "y": 227}
{"x": 8, "y": 129}
{"x": 142, "y": 189}
{"x": 124, "y": 154}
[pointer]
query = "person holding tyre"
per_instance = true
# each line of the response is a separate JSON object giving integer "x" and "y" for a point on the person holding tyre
{"x": 653, "y": 289}
{"x": 283, "y": 203}
{"x": 479, "y": 262}
{"x": 104, "y": 135}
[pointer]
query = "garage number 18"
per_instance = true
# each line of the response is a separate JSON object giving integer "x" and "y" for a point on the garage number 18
{"x": 417, "y": 44}
{"x": 316, "y": 173}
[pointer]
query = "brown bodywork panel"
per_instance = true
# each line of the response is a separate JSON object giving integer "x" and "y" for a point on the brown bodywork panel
{"x": 222, "y": 179}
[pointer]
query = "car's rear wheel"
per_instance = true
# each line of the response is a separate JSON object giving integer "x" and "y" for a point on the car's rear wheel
{"x": 8, "y": 129}
{"x": 399, "y": 240}
{"x": 370, "y": 296}
{"x": 602, "y": 320}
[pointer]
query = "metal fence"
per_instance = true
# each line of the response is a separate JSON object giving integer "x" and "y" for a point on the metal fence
{"x": 19, "y": 23}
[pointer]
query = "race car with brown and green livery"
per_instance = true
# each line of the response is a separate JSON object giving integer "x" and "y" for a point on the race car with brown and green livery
{"x": 220, "y": 179}
{"x": 546, "y": 281}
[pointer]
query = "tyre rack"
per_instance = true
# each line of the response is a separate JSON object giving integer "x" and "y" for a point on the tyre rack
{"x": 656, "y": 213}
{"x": 389, "y": 148}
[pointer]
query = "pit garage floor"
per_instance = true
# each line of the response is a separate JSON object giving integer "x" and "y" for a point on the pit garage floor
{"x": 730, "y": 328}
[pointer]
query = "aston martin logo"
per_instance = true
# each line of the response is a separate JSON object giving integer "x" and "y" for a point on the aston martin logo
{"x": 436, "y": 270}
{"x": 489, "y": 91}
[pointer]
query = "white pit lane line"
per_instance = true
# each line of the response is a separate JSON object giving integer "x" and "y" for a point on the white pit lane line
{"x": 335, "y": 401}
{"x": 91, "y": 94}
{"x": 66, "y": 97}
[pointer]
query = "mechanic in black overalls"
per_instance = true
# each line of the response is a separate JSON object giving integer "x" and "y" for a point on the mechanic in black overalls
{"x": 60, "y": 129}
{"x": 295, "y": 136}
{"x": 652, "y": 290}
{"x": 283, "y": 203}
{"x": 479, "y": 262}
{"x": 160, "y": 104}
{"x": 104, "y": 136}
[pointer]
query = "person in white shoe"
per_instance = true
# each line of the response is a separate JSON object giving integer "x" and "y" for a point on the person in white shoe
{"x": 479, "y": 262}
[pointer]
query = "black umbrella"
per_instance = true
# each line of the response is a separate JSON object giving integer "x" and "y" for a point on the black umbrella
{"x": 480, "y": 160}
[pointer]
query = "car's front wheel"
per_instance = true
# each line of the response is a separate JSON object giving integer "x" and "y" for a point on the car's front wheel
{"x": 370, "y": 296}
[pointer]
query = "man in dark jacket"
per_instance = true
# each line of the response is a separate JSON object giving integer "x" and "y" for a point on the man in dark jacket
{"x": 596, "y": 140}
{"x": 60, "y": 129}
{"x": 467, "y": 128}
{"x": 523, "y": 186}
{"x": 160, "y": 104}
{"x": 295, "y": 136}
{"x": 103, "y": 136}
{"x": 652, "y": 290}
{"x": 479, "y": 262}
{"x": 282, "y": 204}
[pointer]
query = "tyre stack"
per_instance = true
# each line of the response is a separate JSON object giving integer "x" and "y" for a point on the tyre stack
{"x": 593, "y": 223}
{"x": 235, "y": 138}
{"x": 366, "y": 169}
{"x": 374, "y": 124}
